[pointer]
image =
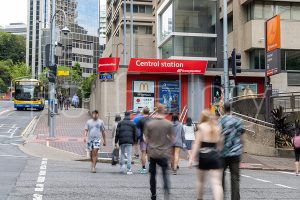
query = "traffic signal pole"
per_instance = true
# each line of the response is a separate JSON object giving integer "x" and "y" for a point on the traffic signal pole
{"x": 225, "y": 53}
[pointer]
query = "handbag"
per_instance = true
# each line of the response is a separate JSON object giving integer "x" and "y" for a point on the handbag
{"x": 115, "y": 156}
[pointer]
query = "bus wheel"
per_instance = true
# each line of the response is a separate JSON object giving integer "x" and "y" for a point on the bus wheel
{"x": 18, "y": 109}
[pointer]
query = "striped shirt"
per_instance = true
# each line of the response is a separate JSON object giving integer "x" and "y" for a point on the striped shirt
{"x": 232, "y": 129}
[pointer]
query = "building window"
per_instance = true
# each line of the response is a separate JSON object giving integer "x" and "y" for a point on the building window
{"x": 230, "y": 24}
{"x": 167, "y": 22}
{"x": 195, "y": 16}
{"x": 290, "y": 59}
{"x": 295, "y": 11}
{"x": 257, "y": 59}
{"x": 284, "y": 10}
{"x": 167, "y": 49}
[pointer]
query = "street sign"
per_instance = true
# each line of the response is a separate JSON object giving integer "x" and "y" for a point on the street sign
{"x": 63, "y": 73}
{"x": 106, "y": 77}
{"x": 273, "y": 45}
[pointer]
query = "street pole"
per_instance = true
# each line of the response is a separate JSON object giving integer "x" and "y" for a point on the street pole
{"x": 51, "y": 95}
{"x": 125, "y": 27}
{"x": 131, "y": 30}
{"x": 225, "y": 53}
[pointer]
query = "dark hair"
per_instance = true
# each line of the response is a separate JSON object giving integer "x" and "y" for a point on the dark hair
{"x": 95, "y": 112}
{"x": 175, "y": 117}
{"x": 146, "y": 111}
{"x": 227, "y": 107}
{"x": 189, "y": 121}
{"x": 117, "y": 118}
{"x": 127, "y": 114}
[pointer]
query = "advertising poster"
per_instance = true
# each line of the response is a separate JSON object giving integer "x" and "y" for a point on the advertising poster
{"x": 169, "y": 95}
{"x": 143, "y": 95}
{"x": 247, "y": 89}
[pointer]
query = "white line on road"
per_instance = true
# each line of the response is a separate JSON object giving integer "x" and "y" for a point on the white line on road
{"x": 13, "y": 156}
{"x": 39, "y": 188}
{"x": 4, "y": 111}
{"x": 262, "y": 180}
{"x": 291, "y": 173}
{"x": 285, "y": 186}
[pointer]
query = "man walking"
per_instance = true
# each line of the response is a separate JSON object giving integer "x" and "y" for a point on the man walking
{"x": 94, "y": 128}
{"x": 232, "y": 131}
{"x": 143, "y": 146}
{"x": 126, "y": 137}
{"x": 159, "y": 135}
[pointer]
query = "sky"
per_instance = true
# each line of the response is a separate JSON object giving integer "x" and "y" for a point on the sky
{"x": 12, "y": 11}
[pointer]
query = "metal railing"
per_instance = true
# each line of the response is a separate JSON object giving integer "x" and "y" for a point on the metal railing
{"x": 254, "y": 120}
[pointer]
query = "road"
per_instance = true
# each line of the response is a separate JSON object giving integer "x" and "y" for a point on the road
{"x": 56, "y": 180}
{"x": 12, "y": 160}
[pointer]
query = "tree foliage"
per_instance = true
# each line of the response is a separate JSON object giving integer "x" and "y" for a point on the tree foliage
{"x": 12, "y": 47}
{"x": 20, "y": 70}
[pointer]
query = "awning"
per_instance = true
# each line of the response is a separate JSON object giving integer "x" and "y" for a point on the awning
{"x": 149, "y": 65}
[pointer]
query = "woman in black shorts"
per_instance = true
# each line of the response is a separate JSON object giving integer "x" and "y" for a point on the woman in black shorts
{"x": 206, "y": 147}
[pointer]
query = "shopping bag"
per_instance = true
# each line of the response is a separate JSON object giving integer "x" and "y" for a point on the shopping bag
{"x": 115, "y": 156}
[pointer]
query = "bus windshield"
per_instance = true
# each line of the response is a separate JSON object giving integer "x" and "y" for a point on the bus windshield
{"x": 27, "y": 92}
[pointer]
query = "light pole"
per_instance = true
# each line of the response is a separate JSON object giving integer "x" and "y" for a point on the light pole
{"x": 51, "y": 98}
{"x": 225, "y": 53}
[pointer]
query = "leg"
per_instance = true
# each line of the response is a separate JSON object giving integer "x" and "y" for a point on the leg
{"x": 216, "y": 184}
{"x": 163, "y": 163}
{"x": 143, "y": 159}
{"x": 234, "y": 167}
{"x": 176, "y": 158}
{"x": 200, "y": 183}
{"x": 129, "y": 155}
{"x": 122, "y": 160}
{"x": 224, "y": 173}
{"x": 152, "y": 170}
{"x": 173, "y": 158}
{"x": 94, "y": 159}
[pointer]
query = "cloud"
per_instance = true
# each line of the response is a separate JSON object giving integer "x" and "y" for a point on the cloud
{"x": 13, "y": 11}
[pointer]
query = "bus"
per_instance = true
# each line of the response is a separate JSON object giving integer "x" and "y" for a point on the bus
{"x": 28, "y": 94}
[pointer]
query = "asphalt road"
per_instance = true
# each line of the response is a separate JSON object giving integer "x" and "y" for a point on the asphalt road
{"x": 12, "y": 160}
{"x": 56, "y": 180}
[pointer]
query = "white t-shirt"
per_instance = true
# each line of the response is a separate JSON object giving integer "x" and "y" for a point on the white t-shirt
{"x": 189, "y": 132}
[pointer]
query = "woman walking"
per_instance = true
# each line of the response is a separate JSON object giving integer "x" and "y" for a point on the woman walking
{"x": 208, "y": 140}
{"x": 296, "y": 144}
{"x": 189, "y": 134}
{"x": 178, "y": 143}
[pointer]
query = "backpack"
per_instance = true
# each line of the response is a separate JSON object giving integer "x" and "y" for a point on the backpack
{"x": 297, "y": 141}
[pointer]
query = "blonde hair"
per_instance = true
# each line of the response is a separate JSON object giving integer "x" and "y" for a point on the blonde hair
{"x": 210, "y": 118}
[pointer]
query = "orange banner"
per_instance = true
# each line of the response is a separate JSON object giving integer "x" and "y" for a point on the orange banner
{"x": 273, "y": 33}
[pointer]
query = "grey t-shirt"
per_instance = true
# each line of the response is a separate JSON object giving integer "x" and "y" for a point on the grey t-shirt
{"x": 95, "y": 129}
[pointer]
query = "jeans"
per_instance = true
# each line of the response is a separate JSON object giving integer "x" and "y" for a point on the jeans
{"x": 126, "y": 148}
{"x": 234, "y": 166}
{"x": 163, "y": 163}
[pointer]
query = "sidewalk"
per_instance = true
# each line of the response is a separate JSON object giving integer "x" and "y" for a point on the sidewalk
{"x": 69, "y": 140}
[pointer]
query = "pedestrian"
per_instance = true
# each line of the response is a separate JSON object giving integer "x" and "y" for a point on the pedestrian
{"x": 67, "y": 103}
{"x": 189, "y": 135}
{"x": 296, "y": 144}
{"x": 114, "y": 129}
{"x": 61, "y": 101}
{"x": 178, "y": 143}
{"x": 135, "y": 120}
{"x": 208, "y": 139}
{"x": 159, "y": 136}
{"x": 126, "y": 138}
{"x": 232, "y": 132}
{"x": 75, "y": 101}
{"x": 95, "y": 132}
{"x": 143, "y": 146}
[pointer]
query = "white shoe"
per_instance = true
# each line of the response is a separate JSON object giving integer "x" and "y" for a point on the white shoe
{"x": 129, "y": 172}
{"x": 123, "y": 169}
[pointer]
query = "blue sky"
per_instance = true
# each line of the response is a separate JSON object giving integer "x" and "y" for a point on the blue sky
{"x": 88, "y": 15}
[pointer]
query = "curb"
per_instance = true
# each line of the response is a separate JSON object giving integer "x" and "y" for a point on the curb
{"x": 30, "y": 127}
{"x": 267, "y": 169}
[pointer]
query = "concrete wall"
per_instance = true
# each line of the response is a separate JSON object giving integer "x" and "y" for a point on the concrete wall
{"x": 280, "y": 81}
{"x": 260, "y": 140}
{"x": 109, "y": 98}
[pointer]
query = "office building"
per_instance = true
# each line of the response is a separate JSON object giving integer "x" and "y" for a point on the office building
{"x": 102, "y": 28}
{"x": 16, "y": 28}
{"x": 143, "y": 27}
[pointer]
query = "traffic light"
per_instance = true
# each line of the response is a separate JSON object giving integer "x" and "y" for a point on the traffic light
{"x": 52, "y": 73}
{"x": 217, "y": 92}
{"x": 236, "y": 62}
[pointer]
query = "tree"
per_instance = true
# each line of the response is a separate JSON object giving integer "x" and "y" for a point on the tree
{"x": 5, "y": 75}
{"x": 87, "y": 85}
{"x": 12, "y": 47}
{"x": 20, "y": 70}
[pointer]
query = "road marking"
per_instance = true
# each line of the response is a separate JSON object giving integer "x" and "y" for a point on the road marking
{"x": 262, "y": 180}
{"x": 39, "y": 187}
{"x": 13, "y": 156}
{"x": 4, "y": 111}
{"x": 291, "y": 173}
{"x": 246, "y": 176}
{"x": 285, "y": 186}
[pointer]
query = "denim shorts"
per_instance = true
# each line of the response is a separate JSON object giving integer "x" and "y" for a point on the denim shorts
{"x": 94, "y": 144}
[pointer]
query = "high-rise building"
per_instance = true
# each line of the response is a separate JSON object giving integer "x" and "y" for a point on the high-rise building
{"x": 16, "y": 28}
{"x": 143, "y": 27}
{"x": 81, "y": 45}
{"x": 102, "y": 28}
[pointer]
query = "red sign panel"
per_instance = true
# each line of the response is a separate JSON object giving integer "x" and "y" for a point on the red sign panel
{"x": 108, "y": 64}
{"x": 145, "y": 65}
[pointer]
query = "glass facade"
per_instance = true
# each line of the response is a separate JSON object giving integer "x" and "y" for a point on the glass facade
{"x": 290, "y": 59}
{"x": 267, "y": 9}
{"x": 197, "y": 17}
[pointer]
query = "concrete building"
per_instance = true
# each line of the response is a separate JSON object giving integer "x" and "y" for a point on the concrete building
{"x": 16, "y": 28}
{"x": 246, "y": 26}
{"x": 81, "y": 45}
{"x": 143, "y": 29}
{"x": 102, "y": 28}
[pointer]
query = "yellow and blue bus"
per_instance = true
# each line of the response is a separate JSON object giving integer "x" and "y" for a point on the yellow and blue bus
{"x": 28, "y": 94}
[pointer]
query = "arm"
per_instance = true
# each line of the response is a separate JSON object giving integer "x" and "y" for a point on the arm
{"x": 134, "y": 133}
{"x": 117, "y": 134}
{"x": 86, "y": 131}
{"x": 183, "y": 135}
{"x": 196, "y": 146}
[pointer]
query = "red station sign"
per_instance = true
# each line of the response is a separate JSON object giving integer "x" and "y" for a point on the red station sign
{"x": 108, "y": 64}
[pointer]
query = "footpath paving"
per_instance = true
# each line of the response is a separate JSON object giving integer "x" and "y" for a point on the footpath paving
{"x": 69, "y": 140}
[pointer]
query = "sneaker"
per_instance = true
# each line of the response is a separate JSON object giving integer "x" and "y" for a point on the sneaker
{"x": 123, "y": 169}
{"x": 93, "y": 170}
{"x": 143, "y": 171}
{"x": 129, "y": 172}
{"x": 175, "y": 172}
{"x": 297, "y": 174}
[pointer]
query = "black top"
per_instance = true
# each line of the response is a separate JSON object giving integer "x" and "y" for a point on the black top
{"x": 208, "y": 144}
{"x": 141, "y": 125}
{"x": 126, "y": 132}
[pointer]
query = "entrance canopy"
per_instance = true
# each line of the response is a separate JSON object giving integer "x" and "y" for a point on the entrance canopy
{"x": 147, "y": 65}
